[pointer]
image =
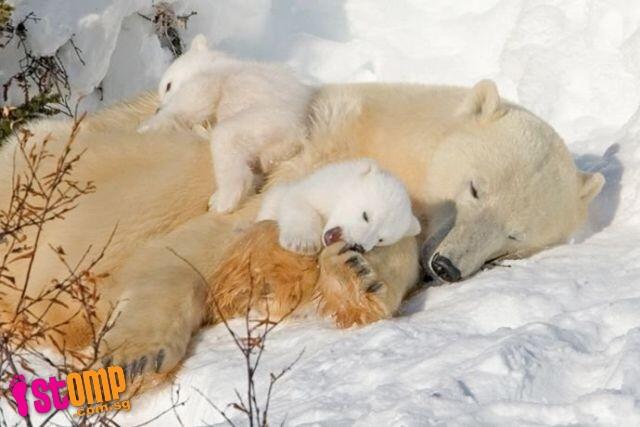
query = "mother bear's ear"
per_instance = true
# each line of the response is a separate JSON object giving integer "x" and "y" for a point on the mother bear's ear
{"x": 483, "y": 102}
{"x": 592, "y": 183}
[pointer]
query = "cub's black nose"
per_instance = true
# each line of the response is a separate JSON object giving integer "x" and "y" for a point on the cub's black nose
{"x": 444, "y": 268}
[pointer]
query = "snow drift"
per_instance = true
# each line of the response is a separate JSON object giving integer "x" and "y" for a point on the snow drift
{"x": 551, "y": 340}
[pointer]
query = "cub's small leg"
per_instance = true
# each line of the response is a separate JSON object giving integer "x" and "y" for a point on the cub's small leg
{"x": 300, "y": 226}
{"x": 234, "y": 178}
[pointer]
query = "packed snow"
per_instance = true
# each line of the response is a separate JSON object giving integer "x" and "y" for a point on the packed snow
{"x": 551, "y": 340}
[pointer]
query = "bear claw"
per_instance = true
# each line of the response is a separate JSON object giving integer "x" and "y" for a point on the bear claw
{"x": 374, "y": 287}
{"x": 354, "y": 248}
{"x": 138, "y": 366}
{"x": 357, "y": 264}
{"x": 158, "y": 360}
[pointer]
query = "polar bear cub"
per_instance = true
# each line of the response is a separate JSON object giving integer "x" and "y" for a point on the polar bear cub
{"x": 257, "y": 112}
{"x": 354, "y": 201}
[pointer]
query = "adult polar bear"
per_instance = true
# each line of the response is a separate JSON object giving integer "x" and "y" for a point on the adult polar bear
{"x": 487, "y": 178}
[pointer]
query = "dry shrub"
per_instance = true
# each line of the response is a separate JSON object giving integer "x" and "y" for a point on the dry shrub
{"x": 41, "y": 81}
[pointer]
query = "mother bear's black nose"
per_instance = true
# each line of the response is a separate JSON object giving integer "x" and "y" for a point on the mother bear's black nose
{"x": 444, "y": 268}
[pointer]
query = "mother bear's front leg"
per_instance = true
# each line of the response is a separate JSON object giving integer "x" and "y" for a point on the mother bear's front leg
{"x": 155, "y": 316}
{"x": 161, "y": 304}
{"x": 348, "y": 286}
{"x": 356, "y": 288}
{"x": 164, "y": 301}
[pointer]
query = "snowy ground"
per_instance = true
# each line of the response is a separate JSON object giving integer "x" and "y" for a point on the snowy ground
{"x": 553, "y": 340}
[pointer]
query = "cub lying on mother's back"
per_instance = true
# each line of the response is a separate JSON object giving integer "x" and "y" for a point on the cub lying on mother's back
{"x": 354, "y": 201}
{"x": 257, "y": 111}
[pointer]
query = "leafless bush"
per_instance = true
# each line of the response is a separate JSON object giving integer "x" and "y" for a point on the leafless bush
{"x": 41, "y": 80}
{"x": 44, "y": 191}
{"x": 166, "y": 25}
{"x": 251, "y": 343}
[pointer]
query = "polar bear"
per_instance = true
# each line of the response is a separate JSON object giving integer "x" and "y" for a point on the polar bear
{"x": 257, "y": 111}
{"x": 353, "y": 201}
{"x": 486, "y": 178}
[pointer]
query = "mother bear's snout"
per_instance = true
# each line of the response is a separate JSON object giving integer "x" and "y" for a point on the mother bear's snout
{"x": 444, "y": 268}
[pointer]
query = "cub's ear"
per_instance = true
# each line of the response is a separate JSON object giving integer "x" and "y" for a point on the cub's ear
{"x": 592, "y": 183}
{"x": 199, "y": 43}
{"x": 483, "y": 102}
{"x": 414, "y": 228}
{"x": 365, "y": 166}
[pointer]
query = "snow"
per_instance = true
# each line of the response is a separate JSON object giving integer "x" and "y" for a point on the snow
{"x": 552, "y": 340}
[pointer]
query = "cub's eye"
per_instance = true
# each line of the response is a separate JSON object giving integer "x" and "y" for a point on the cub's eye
{"x": 511, "y": 237}
{"x": 365, "y": 217}
{"x": 168, "y": 88}
{"x": 380, "y": 240}
{"x": 474, "y": 191}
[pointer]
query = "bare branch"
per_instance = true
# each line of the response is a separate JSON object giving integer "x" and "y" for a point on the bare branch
{"x": 252, "y": 347}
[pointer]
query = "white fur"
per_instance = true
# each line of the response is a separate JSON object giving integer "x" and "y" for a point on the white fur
{"x": 257, "y": 111}
{"x": 371, "y": 207}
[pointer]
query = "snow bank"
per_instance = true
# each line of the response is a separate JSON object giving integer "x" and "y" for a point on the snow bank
{"x": 552, "y": 340}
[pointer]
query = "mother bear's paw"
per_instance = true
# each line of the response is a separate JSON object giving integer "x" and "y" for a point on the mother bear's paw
{"x": 350, "y": 290}
{"x": 139, "y": 355}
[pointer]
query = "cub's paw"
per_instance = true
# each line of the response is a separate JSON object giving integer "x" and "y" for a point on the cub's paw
{"x": 152, "y": 124}
{"x": 202, "y": 130}
{"x": 229, "y": 195}
{"x": 350, "y": 290}
{"x": 224, "y": 201}
{"x": 146, "y": 126}
{"x": 300, "y": 241}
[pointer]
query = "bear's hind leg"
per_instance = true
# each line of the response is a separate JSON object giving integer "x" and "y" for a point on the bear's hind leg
{"x": 156, "y": 315}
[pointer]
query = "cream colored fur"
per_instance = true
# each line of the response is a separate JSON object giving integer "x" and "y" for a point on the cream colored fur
{"x": 435, "y": 139}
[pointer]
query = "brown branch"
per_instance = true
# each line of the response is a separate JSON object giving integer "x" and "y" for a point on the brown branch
{"x": 249, "y": 405}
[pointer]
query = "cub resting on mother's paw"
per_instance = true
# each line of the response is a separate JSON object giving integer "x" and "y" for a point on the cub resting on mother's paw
{"x": 353, "y": 201}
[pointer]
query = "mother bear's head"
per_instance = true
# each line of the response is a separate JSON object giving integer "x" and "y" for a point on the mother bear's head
{"x": 501, "y": 185}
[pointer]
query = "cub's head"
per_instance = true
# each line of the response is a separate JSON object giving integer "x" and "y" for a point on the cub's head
{"x": 196, "y": 60}
{"x": 373, "y": 209}
{"x": 502, "y": 185}
{"x": 184, "y": 89}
